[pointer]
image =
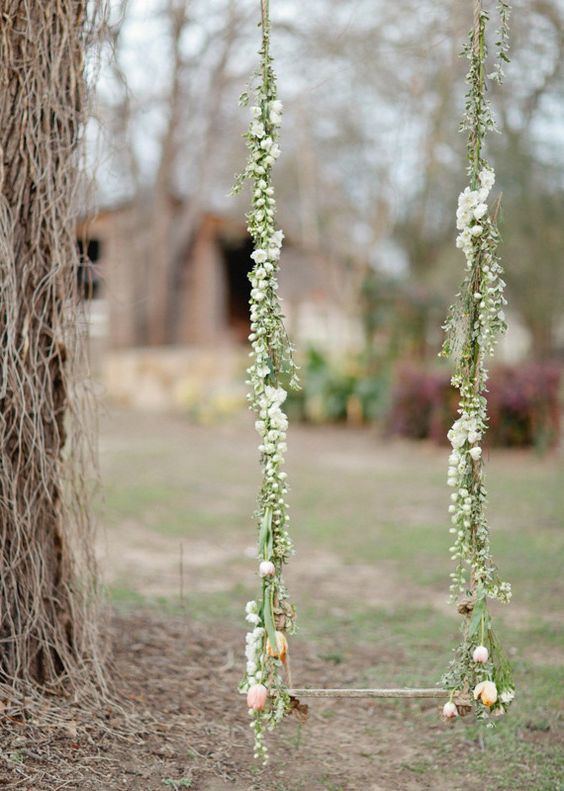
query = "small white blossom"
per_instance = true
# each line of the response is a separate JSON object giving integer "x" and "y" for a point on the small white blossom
{"x": 259, "y": 256}
{"x": 257, "y": 129}
{"x": 507, "y": 695}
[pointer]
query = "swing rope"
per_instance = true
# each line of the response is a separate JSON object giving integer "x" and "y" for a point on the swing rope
{"x": 272, "y": 615}
{"x": 479, "y": 675}
{"x": 473, "y": 326}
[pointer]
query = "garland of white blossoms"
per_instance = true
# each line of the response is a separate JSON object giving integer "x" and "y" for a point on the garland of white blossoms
{"x": 271, "y": 616}
{"x": 479, "y": 675}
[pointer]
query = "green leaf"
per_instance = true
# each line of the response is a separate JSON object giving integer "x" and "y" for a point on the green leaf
{"x": 269, "y": 617}
{"x": 478, "y": 613}
{"x": 265, "y": 535}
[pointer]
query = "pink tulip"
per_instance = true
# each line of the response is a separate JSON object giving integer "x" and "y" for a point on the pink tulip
{"x": 481, "y": 654}
{"x": 256, "y": 697}
{"x": 267, "y": 568}
{"x": 450, "y": 711}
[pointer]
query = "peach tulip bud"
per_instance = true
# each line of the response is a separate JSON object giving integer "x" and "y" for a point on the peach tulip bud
{"x": 450, "y": 711}
{"x": 487, "y": 691}
{"x": 481, "y": 654}
{"x": 281, "y": 648}
{"x": 256, "y": 697}
{"x": 267, "y": 568}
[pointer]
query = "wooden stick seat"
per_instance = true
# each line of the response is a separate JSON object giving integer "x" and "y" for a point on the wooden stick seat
{"x": 368, "y": 693}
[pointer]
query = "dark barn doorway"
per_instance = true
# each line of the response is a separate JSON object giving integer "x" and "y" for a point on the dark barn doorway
{"x": 89, "y": 252}
{"x": 238, "y": 263}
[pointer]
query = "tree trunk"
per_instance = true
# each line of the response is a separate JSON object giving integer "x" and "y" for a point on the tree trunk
{"x": 47, "y": 627}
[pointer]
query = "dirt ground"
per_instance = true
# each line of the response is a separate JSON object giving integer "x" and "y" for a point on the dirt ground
{"x": 186, "y": 727}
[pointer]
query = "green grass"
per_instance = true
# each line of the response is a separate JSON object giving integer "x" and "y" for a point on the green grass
{"x": 361, "y": 502}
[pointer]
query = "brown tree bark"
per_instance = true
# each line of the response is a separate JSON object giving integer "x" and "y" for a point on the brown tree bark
{"x": 47, "y": 633}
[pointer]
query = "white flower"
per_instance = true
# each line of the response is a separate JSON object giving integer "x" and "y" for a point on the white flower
{"x": 256, "y": 111}
{"x": 476, "y": 452}
{"x": 252, "y": 618}
{"x": 476, "y": 230}
{"x": 259, "y": 256}
{"x": 468, "y": 199}
{"x": 257, "y": 129}
{"x": 487, "y": 178}
{"x": 275, "y": 118}
{"x": 457, "y": 438}
{"x": 276, "y": 106}
{"x": 274, "y": 253}
{"x": 507, "y": 695}
{"x": 276, "y": 238}
{"x": 251, "y": 606}
{"x": 480, "y": 210}
{"x": 279, "y": 421}
{"x": 464, "y": 239}
{"x": 275, "y": 395}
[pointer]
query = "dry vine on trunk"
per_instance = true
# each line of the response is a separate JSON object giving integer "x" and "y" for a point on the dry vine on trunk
{"x": 48, "y": 624}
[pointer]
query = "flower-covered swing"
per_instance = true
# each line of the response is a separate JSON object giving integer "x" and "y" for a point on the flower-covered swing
{"x": 479, "y": 677}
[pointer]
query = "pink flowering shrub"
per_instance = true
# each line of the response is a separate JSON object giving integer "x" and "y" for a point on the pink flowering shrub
{"x": 524, "y": 405}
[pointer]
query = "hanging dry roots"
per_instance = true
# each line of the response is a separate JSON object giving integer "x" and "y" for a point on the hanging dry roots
{"x": 48, "y": 620}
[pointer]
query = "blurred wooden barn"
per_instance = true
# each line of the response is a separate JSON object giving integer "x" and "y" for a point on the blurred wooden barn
{"x": 189, "y": 323}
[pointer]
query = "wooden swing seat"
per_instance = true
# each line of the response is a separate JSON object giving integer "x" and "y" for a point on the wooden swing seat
{"x": 368, "y": 693}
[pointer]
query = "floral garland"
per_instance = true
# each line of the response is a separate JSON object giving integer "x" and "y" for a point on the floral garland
{"x": 479, "y": 675}
{"x": 271, "y": 616}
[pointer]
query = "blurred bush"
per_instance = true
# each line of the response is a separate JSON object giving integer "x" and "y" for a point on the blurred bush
{"x": 419, "y": 403}
{"x": 524, "y": 405}
{"x": 356, "y": 390}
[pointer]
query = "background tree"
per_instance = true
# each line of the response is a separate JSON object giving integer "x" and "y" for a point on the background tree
{"x": 48, "y": 628}
{"x": 169, "y": 137}
{"x": 372, "y": 92}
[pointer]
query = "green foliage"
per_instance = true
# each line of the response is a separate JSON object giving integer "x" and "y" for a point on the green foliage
{"x": 354, "y": 389}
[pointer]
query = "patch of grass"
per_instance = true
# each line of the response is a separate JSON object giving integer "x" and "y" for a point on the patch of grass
{"x": 206, "y": 607}
{"x": 384, "y": 506}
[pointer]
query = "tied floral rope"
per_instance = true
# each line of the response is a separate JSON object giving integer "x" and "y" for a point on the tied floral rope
{"x": 479, "y": 675}
{"x": 271, "y": 616}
